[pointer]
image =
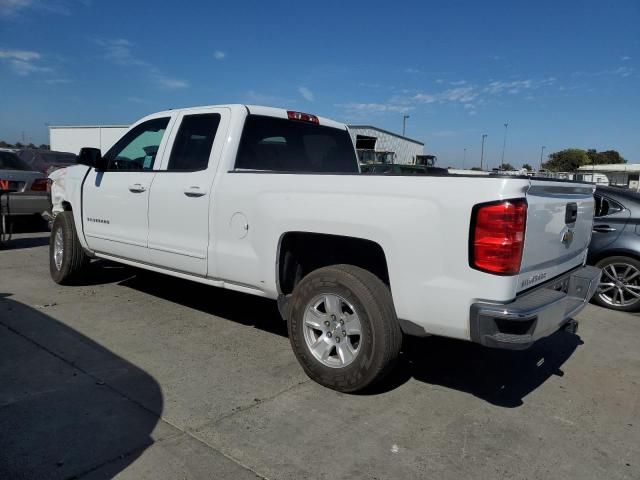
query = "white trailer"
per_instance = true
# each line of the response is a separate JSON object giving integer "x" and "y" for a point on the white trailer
{"x": 68, "y": 138}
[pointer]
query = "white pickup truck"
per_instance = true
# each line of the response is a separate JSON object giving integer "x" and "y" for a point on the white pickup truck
{"x": 271, "y": 202}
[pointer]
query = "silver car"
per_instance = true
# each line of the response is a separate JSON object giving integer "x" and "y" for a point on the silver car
{"x": 22, "y": 190}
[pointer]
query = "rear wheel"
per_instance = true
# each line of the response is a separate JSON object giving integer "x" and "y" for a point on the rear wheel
{"x": 619, "y": 287}
{"x": 67, "y": 259}
{"x": 343, "y": 327}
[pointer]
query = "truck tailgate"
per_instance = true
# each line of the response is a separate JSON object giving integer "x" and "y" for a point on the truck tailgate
{"x": 558, "y": 230}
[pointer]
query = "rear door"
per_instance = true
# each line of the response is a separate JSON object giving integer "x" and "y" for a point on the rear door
{"x": 609, "y": 222}
{"x": 558, "y": 230}
{"x": 180, "y": 199}
{"x": 115, "y": 202}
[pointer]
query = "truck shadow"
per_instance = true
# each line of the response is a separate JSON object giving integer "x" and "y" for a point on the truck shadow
{"x": 501, "y": 377}
{"x": 63, "y": 412}
{"x": 238, "y": 307}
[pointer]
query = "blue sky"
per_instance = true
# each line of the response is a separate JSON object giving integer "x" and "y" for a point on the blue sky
{"x": 560, "y": 73}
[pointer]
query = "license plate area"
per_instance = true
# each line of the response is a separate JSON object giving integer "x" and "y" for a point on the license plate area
{"x": 561, "y": 285}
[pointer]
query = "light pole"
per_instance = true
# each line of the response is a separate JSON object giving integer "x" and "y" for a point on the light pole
{"x": 484, "y": 135}
{"x": 504, "y": 144}
{"x": 404, "y": 123}
{"x": 464, "y": 157}
{"x": 541, "y": 154}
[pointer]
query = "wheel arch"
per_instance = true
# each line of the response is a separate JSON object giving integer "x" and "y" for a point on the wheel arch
{"x": 299, "y": 253}
{"x": 617, "y": 252}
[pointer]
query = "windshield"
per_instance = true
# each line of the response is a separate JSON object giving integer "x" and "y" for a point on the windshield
{"x": 10, "y": 161}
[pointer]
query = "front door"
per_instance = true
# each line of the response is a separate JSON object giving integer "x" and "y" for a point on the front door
{"x": 116, "y": 201}
{"x": 180, "y": 200}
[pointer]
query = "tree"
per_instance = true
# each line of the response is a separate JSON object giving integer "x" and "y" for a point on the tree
{"x": 527, "y": 167}
{"x": 608, "y": 156}
{"x": 570, "y": 159}
{"x": 566, "y": 160}
{"x": 508, "y": 167}
{"x": 19, "y": 145}
{"x": 31, "y": 146}
{"x": 4, "y": 144}
{"x": 43, "y": 146}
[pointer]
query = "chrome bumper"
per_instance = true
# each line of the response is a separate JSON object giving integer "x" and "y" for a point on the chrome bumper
{"x": 536, "y": 314}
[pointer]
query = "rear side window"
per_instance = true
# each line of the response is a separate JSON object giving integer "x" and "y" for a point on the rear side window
{"x": 10, "y": 161}
{"x": 192, "y": 146}
{"x": 282, "y": 145}
{"x": 605, "y": 206}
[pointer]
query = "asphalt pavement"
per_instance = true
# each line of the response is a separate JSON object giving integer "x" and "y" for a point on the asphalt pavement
{"x": 137, "y": 375}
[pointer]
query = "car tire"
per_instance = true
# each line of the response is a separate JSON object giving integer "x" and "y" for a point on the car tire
{"x": 620, "y": 265}
{"x": 343, "y": 327}
{"x": 67, "y": 259}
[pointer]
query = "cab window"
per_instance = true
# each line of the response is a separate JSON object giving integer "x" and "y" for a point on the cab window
{"x": 137, "y": 150}
{"x": 192, "y": 146}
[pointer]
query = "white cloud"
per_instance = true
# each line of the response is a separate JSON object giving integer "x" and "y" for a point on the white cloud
{"x": 424, "y": 98}
{"x": 57, "y": 81}
{"x": 257, "y": 98}
{"x": 625, "y": 58}
{"x": 468, "y": 96}
{"x": 169, "y": 83}
{"x": 306, "y": 94}
{"x": 134, "y": 99}
{"x": 623, "y": 72}
{"x": 23, "y": 62}
{"x": 354, "y": 107}
{"x": 10, "y": 7}
{"x": 120, "y": 52}
{"x": 219, "y": 55}
{"x": 22, "y": 55}
{"x": 13, "y": 8}
{"x": 412, "y": 70}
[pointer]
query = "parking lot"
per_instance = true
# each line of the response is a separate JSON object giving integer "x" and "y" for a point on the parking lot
{"x": 139, "y": 375}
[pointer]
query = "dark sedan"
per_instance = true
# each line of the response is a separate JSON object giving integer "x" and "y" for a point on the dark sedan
{"x": 46, "y": 161}
{"x": 615, "y": 247}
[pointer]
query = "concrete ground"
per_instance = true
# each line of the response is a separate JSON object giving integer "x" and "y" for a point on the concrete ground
{"x": 139, "y": 375}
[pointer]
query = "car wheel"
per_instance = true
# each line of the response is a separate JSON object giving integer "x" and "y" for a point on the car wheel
{"x": 619, "y": 287}
{"x": 67, "y": 259}
{"x": 343, "y": 327}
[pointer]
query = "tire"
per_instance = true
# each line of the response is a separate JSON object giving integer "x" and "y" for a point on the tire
{"x": 618, "y": 293}
{"x": 343, "y": 360}
{"x": 69, "y": 266}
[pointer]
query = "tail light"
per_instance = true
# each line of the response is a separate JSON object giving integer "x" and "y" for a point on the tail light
{"x": 497, "y": 236}
{"x": 303, "y": 117}
{"x": 39, "y": 185}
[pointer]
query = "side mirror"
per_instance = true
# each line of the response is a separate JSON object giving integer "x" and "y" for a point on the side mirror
{"x": 89, "y": 156}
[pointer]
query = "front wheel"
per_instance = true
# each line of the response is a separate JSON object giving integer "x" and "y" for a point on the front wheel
{"x": 619, "y": 287}
{"x": 67, "y": 259}
{"x": 343, "y": 327}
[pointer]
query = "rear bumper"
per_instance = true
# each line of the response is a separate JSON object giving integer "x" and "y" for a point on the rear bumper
{"x": 533, "y": 315}
{"x": 25, "y": 203}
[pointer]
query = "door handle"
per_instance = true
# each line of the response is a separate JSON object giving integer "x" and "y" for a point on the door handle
{"x": 137, "y": 188}
{"x": 603, "y": 229}
{"x": 194, "y": 191}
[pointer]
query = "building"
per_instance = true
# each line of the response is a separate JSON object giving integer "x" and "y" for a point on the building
{"x": 375, "y": 145}
{"x": 73, "y": 138}
{"x": 618, "y": 174}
